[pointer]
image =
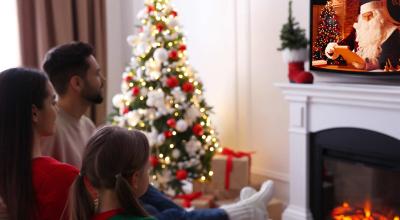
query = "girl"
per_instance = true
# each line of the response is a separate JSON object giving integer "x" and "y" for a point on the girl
{"x": 115, "y": 173}
{"x": 31, "y": 186}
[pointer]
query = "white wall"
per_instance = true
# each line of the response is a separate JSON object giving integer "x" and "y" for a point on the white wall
{"x": 232, "y": 44}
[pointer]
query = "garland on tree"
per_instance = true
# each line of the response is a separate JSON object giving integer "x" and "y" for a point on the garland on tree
{"x": 292, "y": 36}
{"x": 162, "y": 96}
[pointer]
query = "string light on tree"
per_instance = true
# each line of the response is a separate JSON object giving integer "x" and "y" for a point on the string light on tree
{"x": 162, "y": 96}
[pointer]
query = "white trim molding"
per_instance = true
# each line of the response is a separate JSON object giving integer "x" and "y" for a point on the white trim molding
{"x": 317, "y": 107}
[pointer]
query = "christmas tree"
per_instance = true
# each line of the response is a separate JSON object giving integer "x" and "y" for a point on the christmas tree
{"x": 328, "y": 31}
{"x": 162, "y": 96}
{"x": 292, "y": 36}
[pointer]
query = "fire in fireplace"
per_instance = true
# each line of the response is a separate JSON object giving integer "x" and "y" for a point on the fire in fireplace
{"x": 347, "y": 212}
{"x": 354, "y": 175}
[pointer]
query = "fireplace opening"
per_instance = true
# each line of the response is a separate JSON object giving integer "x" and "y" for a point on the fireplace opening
{"x": 354, "y": 174}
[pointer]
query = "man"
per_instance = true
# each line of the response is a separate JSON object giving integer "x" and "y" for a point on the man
{"x": 374, "y": 38}
{"x": 76, "y": 76}
{"x": 77, "y": 79}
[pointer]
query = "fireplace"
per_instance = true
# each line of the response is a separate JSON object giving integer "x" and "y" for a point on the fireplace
{"x": 354, "y": 174}
{"x": 344, "y": 151}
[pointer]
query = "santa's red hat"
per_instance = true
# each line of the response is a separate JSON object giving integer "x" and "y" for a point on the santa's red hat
{"x": 369, "y": 5}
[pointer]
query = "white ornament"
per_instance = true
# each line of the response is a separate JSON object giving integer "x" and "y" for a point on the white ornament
{"x": 172, "y": 22}
{"x": 142, "y": 14}
{"x": 141, "y": 49}
{"x": 181, "y": 125}
{"x": 192, "y": 114}
{"x": 124, "y": 87}
{"x": 155, "y": 98}
{"x": 160, "y": 55}
{"x": 192, "y": 146}
{"x": 118, "y": 101}
{"x": 134, "y": 63}
{"x": 178, "y": 95}
{"x": 152, "y": 137}
{"x": 133, "y": 117}
{"x": 176, "y": 153}
{"x": 139, "y": 72}
{"x": 132, "y": 40}
{"x": 144, "y": 91}
{"x": 160, "y": 139}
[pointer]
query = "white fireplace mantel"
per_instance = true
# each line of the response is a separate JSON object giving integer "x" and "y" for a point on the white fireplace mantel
{"x": 318, "y": 107}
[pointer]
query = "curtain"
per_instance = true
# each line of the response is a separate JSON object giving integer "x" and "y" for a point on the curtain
{"x": 48, "y": 23}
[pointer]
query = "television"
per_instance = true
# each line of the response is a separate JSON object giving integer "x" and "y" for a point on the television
{"x": 355, "y": 38}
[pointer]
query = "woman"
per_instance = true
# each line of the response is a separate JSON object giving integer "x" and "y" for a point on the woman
{"x": 31, "y": 186}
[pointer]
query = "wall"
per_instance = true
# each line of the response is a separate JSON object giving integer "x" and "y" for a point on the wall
{"x": 232, "y": 44}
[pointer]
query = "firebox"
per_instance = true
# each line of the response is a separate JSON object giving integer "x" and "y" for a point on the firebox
{"x": 354, "y": 174}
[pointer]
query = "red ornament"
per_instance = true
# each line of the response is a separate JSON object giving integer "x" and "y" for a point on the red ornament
{"x": 198, "y": 130}
{"x": 174, "y": 13}
{"x": 172, "y": 82}
{"x": 173, "y": 55}
{"x": 126, "y": 110}
{"x": 182, "y": 47}
{"x": 188, "y": 87}
{"x": 171, "y": 122}
{"x": 135, "y": 91}
{"x": 153, "y": 161}
{"x": 128, "y": 78}
{"x": 168, "y": 134}
{"x": 160, "y": 27}
{"x": 150, "y": 8}
{"x": 181, "y": 174}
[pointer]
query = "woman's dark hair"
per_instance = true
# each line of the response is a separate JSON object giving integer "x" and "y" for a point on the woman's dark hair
{"x": 112, "y": 155}
{"x": 66, "y": 60}
{"x": 20, "y": 90}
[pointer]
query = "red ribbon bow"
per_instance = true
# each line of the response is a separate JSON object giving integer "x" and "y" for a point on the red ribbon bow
{"x": 229, "y": 163}
{"x": 188, "y": 198}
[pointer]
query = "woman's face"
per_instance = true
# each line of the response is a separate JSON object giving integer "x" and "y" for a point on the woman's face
{"x": 44, "y": 118}
{"x": 140, "y": 181}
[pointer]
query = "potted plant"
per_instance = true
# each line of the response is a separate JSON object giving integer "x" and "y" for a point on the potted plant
{"x": 294, "y": 49}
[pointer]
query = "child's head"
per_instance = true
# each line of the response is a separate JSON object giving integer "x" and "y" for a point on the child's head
{"x": 115, "y": 159}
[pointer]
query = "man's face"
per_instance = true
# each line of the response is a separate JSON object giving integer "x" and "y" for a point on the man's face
{"x": 94, "y": 82}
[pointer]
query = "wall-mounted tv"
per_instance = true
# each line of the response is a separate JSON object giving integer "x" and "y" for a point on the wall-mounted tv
{"x": 358, "y": 37}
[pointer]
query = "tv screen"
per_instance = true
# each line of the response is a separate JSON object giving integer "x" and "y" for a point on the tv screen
{"x": 359, "y": 37}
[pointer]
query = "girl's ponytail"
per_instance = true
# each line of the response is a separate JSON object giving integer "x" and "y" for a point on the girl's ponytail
{"x": 126, "y": 197}
{"x": 81, "y": 203}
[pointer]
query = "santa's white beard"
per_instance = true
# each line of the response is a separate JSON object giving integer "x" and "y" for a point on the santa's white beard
{"x": 370, "y": 35}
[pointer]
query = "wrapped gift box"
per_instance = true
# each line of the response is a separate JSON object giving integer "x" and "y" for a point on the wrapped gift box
{"x": 239, "y": 177}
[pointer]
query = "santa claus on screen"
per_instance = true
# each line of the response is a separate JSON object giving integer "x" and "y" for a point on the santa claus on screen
{"x": 374, "y": 38}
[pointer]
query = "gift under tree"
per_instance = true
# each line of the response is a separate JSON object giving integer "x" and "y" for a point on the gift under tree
{"x": 294, "y": 47}
{"x": 162, "y": 96}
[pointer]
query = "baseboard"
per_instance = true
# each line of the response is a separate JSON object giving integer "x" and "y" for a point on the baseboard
{"x": 284, "y": 177}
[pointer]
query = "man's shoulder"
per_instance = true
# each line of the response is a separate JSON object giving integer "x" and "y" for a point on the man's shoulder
{"x": 87, "y": 122}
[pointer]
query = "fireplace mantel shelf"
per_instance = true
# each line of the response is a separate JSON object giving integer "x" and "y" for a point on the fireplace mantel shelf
{"x": 318, "y": 107}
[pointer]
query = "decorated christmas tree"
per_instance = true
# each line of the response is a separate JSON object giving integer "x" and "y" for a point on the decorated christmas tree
{"x": 162, "y": 96}
{"x": 292, "y": 35}
{"x": 328, "y": 31}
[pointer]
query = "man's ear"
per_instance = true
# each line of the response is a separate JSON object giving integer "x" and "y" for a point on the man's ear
{"x": 76, "y": 83}
{"x": 35, "y": 114}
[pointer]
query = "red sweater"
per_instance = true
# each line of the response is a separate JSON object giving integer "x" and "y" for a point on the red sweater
{"x": 51, "y": 181}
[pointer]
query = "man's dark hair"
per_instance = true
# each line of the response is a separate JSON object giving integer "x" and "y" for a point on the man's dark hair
{"x": 67, "y": 60}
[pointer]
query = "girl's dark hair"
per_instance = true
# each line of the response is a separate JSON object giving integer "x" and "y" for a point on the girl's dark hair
{"x": 20, "y": 89}
{"x": 112, "y": 155}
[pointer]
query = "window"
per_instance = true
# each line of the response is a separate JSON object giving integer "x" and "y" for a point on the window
{"x": 9, "y": 35}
